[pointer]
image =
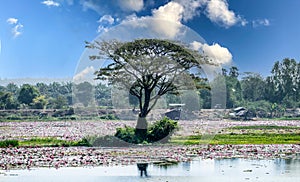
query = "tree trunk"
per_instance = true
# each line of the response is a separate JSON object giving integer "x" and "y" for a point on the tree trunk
{"x": 141, "y": 128}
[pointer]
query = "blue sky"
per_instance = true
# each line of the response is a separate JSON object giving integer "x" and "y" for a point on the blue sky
{"x": 45, "y": 38}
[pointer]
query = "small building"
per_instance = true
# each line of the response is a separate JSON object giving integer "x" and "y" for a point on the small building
{"x": 175, "y": 111}
{"x": 239, "y": 113}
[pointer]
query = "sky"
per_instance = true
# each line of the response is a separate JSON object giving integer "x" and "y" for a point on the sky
{"x": 46, "y": 38}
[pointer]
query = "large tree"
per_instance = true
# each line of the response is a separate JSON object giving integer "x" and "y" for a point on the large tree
{"x": 284, "y": 83}
{"x": 253, "y": 87}
{"x": 148, "y": 68}
{"x": 27, "y": 94}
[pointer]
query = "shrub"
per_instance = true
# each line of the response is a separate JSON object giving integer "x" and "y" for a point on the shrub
{"x": 127, "y": 134}
{"x": 83, "y": 142}
{"x": 109, "y": 117}
{"x": 160, "y": 131}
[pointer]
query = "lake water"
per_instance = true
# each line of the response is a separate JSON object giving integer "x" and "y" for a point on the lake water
{"x": 224, "y": 170}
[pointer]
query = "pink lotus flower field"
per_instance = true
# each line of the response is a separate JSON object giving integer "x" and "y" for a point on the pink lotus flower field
{"x": 27, "y": 158}
{"x": 76, "y": 130}
{"x": 33, "y": 157}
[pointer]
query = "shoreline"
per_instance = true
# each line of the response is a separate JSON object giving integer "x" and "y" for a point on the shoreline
{"x": 58, "y": 157}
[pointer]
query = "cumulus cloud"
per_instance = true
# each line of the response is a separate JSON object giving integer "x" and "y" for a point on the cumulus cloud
{"x": 16, "y": 30}
{"x": 131, "y": 5}
{"x": 215, "y": 52}
{"x": 191, "y": 8}
{"x": 218, "y": 12}
{"x": 50, "y": 3}
{"x": 84, "y": 74}
{"x": 261, "y": 22}
{"x": 171, "y": 12}
{"x": 165, "y": 21}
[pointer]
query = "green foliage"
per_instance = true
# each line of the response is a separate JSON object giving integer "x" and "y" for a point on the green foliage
{"x": 191, "y": 100}
{"x": 162, "y": 130}
{"x": 53, "y": 142}
{"x": 39, "y": 102}
{"x": 148, "y": 68}
{"x": 127, "y": 134}
{"x": 263, "y": 127}
{"x": 253, "y": 87}
{"x": 84, "y": 93}
{"x": 237, "y": 139}
{"x": 259, "y": 109}
{"x": 159, "y": 131}
{"x": 9, "y": 143}
{"x": 284, "y": 83}
{"x": 109, "y": 117}
{"x": 27, "y": 94}
{"x": 7, "y": 101}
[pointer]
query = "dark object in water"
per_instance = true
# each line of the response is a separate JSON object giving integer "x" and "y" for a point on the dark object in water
{"x": 143, "y": 168}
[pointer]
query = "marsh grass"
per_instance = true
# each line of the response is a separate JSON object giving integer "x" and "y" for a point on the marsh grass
{"x": 263, "y": 127}
{"x": 249, "y": 138}
{"x": 52, "y": 142}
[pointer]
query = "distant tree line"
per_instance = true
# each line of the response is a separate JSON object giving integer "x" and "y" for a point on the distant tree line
{"x": 52, "y": 96}
{"x": 264, "y": 96}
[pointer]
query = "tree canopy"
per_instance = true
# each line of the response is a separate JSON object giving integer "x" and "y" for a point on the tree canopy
{"x": 148, "y": 68}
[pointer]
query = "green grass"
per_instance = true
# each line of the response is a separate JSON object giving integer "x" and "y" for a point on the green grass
{"x": 52, "y": 142}
{"x": 9, "y": 143}
{"x": 239, "y": 139}
{"x": 263, "y": 127}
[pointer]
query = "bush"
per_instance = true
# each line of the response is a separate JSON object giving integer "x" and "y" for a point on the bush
{"x": 160, "y": 131}
{"x": 109, "y": 117}
{"x": 127, "y": 134}
{"x": 9, "y": 143}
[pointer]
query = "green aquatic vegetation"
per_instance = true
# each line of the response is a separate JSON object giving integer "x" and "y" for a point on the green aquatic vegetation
{"x": 249, "y": 138}
{"x": 52, "y": 142}
{"x": 264, "y": 127}
{"x": 9, "y": 143}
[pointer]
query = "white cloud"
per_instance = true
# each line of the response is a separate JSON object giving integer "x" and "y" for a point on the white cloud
{"x": 218, "y": 12}
{"x": 171, "y": 12}
{"x": 215, "y": 52}
{"x": 165, "y": 21}
{"x": 90, "y": 4}
{"x": 12, "y": 21}
{"x": 131, "y": 5}
{"x": 107, "y": 18}
{"x": 102, "y": 29}
{"x": 50, "y": 3}
{"x": 105, "y": 22}
{"x": 261, "y": 22}
{"x": 191, "y": 8}
{"x": 85, "y": 74}
{"x": 16, "y": 30}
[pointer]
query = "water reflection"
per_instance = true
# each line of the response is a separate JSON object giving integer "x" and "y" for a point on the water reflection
{"x": 142, "y": 167}
{"x": 224, "y": 170}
